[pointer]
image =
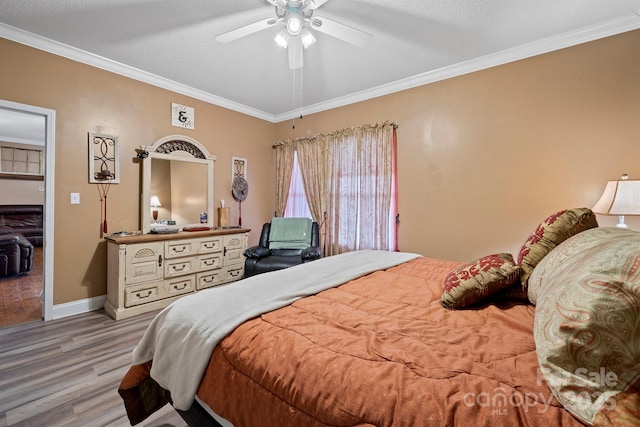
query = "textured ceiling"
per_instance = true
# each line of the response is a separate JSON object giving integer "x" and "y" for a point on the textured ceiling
{"x": 172, "y": 44}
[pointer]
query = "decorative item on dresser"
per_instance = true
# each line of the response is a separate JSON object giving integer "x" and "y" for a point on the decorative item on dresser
{"x": 146, "y": 272}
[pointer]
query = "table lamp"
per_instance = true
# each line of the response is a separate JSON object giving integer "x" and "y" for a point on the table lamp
{"x": 155, "y": 203}
{"x": 621, "y": 197}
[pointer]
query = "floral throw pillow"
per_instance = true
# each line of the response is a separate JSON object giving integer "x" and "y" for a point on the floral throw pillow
{"x": 550, "y": 233}
{"x": 475, "y": 282}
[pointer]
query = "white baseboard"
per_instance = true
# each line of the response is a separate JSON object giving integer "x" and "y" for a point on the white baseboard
{"x": 78, "y": 307}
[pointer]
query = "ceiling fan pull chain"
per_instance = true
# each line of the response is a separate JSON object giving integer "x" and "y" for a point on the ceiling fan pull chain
{"x": 293, "y": 98}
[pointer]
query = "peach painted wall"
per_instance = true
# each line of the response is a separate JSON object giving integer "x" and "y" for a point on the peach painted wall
{"x": 484, "y": 157}
{"x": 87, "y": 99}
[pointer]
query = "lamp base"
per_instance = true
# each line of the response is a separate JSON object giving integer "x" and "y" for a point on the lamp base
{"x": 621, "y": 223}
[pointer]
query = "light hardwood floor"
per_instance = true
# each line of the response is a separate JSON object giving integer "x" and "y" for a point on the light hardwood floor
{"x": 20, "y": 294}
{"x": 66, "y": 372}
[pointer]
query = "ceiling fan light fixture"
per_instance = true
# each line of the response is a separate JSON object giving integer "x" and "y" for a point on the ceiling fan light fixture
{"x": 307, "y": 38}
{"x": 282, "y": 39}
{"x": 294, "y": 24}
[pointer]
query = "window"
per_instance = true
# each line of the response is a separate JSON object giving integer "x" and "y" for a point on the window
{"x": 21, "y": 162}
{"x": 350, "y": 183}
{"x": 297, "y": 204}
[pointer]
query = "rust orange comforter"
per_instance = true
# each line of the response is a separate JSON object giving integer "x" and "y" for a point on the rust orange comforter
{"x": 382, "y": 351}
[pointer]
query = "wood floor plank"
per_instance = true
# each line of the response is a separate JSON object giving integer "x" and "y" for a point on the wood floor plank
{"x": 66, "y": 372}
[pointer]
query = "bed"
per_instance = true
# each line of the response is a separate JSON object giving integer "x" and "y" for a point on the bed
{"x": 397, "y": 339}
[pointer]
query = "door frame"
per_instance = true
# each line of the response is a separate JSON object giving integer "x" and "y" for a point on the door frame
{"x": 49, "y": 178}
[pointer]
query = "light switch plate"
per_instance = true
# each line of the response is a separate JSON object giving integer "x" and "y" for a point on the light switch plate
{"x": 75, "y": 198}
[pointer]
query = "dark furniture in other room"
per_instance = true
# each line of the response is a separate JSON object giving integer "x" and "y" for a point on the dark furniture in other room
{"x": 26, "y": 220}
{"x": 21, "y": 228}
{"x": 270, "y": 255}
{"x": 16, "y": 255}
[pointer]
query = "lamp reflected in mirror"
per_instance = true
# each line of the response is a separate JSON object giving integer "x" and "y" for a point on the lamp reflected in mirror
{"x": 155, "y": 203}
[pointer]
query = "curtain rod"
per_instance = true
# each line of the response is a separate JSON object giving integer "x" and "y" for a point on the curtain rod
{"x": 394, "y": 124}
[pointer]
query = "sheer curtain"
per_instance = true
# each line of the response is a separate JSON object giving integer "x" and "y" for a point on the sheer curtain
{"x": 297, "y": 205}
{"x": 349, "y": 181}
{"x": 359, "y": 180}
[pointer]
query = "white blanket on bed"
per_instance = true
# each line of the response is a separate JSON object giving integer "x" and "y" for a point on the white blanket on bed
{"x": 182, "y": 337}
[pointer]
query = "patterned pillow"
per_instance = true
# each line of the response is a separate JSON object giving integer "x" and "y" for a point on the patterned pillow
{"x": 514, "y": 293}
{"x": 472, "y": 283}
{"x": 587, "y": 322}
{"x": 550, "y": 233}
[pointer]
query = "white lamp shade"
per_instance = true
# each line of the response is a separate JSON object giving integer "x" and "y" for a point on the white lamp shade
{"x": 619, "y": 198}
{"x": 155, "y": 202}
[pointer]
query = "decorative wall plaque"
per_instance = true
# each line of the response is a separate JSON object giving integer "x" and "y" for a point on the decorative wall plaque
{"x": 182, "y": 116}
{"x": 104, "y": 162}
{"x": 238, "y": 167}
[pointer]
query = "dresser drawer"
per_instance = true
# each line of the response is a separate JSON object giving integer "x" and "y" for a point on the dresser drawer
{"x": 209, "y": 279}
{"x": 210, "y": 245}
{"x": 208, "y": 262}
{"x": 180, "y": 267}
{"x": 233, "y": 272}
{"x": 180, "y": 248}
{"x": 179, "y": 286}
{"x": 142, "y": 294}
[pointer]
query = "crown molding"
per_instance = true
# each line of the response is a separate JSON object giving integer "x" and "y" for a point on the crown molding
{"x": 584, "y": 35}
{"x": 33, "y": 40}
{"x": 605, "y": 29}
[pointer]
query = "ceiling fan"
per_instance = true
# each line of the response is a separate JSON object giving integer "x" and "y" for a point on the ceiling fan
{"x": 297, "y": 16}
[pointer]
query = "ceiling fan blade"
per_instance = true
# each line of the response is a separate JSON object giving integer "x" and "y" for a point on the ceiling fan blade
{"x": 340, "y": 31}
{"x": 246, "y": 30}
{"x": 295, "y": 53}
{"x": 278, "y": 3}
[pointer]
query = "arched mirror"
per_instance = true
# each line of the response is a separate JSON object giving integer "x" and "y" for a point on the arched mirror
{"x": 177, "y": 184}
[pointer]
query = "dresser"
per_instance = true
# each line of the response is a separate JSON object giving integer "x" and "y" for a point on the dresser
{"x": 147, "y": 272}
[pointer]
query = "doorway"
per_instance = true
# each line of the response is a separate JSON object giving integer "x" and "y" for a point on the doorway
{"x": 21, "y": 126}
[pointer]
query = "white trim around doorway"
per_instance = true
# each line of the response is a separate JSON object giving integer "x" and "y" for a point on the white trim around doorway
{"x": 49, "y": 178}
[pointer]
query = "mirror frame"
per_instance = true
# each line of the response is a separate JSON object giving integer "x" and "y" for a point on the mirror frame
{"x": 177, "y": 148}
